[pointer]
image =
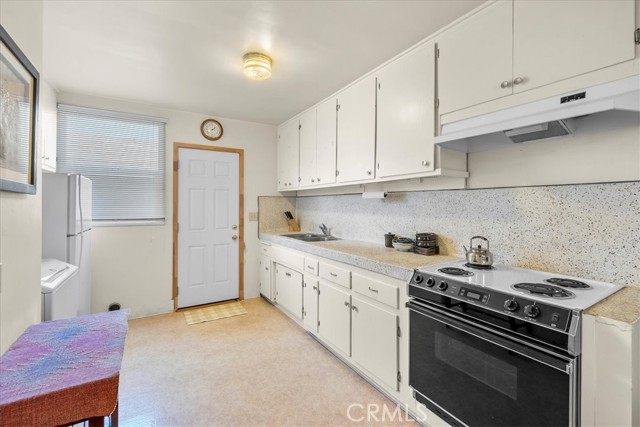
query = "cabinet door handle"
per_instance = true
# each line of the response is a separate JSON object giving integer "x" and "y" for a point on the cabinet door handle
{"x": 266, "y": 268}
{"x": 346, "y": 303}
{"x": 333, "y": 274}
{"x": 287, "y": 274}
{"x": 318, "y": 179}
{"x": 505, "y": 84}
{"x": 315, "y": 288}
{"x": 373, "y": 290}
{"x": 354, "y": 308}
{"x": 368, "y": 172}
{"x": 518, "y": 80}
{"x": 313, "y": 180}
{"x": 310, "y": 268}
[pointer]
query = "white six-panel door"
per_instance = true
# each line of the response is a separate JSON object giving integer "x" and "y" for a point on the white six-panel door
{"x": 208, "y": 226}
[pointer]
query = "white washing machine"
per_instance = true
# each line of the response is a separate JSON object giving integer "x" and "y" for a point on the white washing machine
{"x": 60, "y": 290}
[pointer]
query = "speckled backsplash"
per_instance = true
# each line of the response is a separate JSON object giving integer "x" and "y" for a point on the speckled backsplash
{"x": 588, "y": 231}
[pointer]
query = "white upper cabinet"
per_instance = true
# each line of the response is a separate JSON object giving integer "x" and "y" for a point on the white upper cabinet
{"x": 326, "y": 143}
{"x": 357, "y": 131}
{"x": 288, "y": 155}
{"x": 475, "y": 59}
{"x": 308, "y": 161}
{"x": 318, "y": 145}
{"x": 557, "y": 39}
{"x": 406, "y": 115}
{"x": 514, "y": 46}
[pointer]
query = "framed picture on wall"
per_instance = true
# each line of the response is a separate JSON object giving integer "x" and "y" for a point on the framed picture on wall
{"x": 18, "y": 118}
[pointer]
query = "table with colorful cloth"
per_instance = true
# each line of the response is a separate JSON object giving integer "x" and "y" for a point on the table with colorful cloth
{"x": 64, "y": 371}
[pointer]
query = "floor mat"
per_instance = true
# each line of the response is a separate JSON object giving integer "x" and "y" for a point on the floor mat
{"x": 214, "y": 312}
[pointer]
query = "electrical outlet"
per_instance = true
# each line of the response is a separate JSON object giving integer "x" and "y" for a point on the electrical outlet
{"x": 253, "y": 216}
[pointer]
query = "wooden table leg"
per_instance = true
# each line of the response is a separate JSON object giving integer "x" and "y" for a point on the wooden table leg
{"x": 114, "y": 417}
{"x": 96, "y": 422}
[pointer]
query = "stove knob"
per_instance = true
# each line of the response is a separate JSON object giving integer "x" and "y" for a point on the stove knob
{"x": 532, "y": 311}
{"x": 442, "y": 286}
{"x": 430, "y": 282}
{"x": 418, "y": 278}
{"x": 511, "y": 305}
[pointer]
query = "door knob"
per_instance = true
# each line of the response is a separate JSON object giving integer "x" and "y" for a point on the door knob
{"x": 234, "y": 237}
{"x": 233, "y": 227}
{"x": 518, "y": 80}
{"x": 505, "y": 84}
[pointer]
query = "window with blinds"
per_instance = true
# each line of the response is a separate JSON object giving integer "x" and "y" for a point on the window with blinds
{"x": 123, "y": 154}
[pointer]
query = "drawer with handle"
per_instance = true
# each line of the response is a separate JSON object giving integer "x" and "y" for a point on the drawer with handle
{"x": 339, "y": 276}
{"x": 311, "y": 266}
{"x": 265, "y": 249}
{"x": 375, "y": 289}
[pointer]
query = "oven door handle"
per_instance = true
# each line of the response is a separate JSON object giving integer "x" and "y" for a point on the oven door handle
{"x": 531, "y": 351}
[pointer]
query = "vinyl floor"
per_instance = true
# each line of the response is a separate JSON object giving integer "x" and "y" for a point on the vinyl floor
{"x": 259, "y": 369}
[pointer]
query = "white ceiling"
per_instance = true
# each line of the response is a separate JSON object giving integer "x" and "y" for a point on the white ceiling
{"x": 187, "y": 55}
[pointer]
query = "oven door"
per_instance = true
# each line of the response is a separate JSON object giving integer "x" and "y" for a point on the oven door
{"x": 473, "y": 376}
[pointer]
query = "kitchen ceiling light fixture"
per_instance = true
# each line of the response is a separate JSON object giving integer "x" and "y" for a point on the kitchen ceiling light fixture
{"x": 257, "y": 66}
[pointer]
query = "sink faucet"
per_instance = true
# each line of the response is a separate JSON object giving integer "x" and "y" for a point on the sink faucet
{"x": 324, "y": 229}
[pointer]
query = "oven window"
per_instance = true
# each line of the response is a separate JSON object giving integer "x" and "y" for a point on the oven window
{"x": 482, "y": 383}
{"x": 489, "y": 370}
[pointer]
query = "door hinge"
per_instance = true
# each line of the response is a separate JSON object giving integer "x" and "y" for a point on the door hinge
{"x": 399, "y": 377}
{"x": 337, "y": 172}
{"x": 299, "y": 179}
{"x": 399, "y": 332}
{"x": 299, "y": 127}
{"x": 636, "y": 35}
{"x": 378, "y": 165}
{"x": 176, "y": 165}
{"x": 379, "y": 86}
{"x": 438, "y": 52}
{"x": 437, "y": 103}
{"x": 318, "y": 323}
{"x": 338, "y": 107}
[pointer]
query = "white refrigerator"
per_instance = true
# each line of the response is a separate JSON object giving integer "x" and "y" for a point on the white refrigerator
{"x": 66, "y": 227}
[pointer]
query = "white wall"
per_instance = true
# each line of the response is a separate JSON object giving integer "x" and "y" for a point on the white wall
{"x": 21, "y": 214}
{"x": 133, "y": 265}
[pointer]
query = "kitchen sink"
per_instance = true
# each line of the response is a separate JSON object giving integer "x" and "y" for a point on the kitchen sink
{"x": 310, "y": 237}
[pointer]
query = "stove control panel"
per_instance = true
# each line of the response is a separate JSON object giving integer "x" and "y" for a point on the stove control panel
{"x": 444, "y": 291}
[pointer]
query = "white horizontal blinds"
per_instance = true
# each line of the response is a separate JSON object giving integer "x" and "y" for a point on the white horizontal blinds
{"x": 123, "y": 154}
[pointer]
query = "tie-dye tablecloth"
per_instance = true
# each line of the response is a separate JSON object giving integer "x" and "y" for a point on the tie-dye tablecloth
{"x": 63, "y": 371}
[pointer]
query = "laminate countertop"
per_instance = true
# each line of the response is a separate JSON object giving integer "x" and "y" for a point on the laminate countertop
{"x": 369, "y": 256}
{"x": 623, "y": 306}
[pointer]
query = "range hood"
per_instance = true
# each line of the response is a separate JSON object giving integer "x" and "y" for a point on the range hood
{"x": 595, "y": 109}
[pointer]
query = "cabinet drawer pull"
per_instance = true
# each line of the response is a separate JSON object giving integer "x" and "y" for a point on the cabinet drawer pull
{"x": 287, "y": 274}
{"x": 310, "y": 268}
{"x": 373, "y": 290}
{"x": 333, "y": 274}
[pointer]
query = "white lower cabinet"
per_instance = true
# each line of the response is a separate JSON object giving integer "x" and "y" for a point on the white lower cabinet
{"x": 334, "y": 315}
{"x": 310, "y": 304}
{"x": 266, "y": 278}
{"x": 356, "y": 313}
{"x": 289, "y": 290}
{"x": 374, "y": 340}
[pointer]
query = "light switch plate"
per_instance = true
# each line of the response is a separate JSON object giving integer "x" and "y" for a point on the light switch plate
{"x": 253, "y": 216}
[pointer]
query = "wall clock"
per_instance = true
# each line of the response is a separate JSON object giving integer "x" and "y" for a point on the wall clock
{"x": 211, "y": 129}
